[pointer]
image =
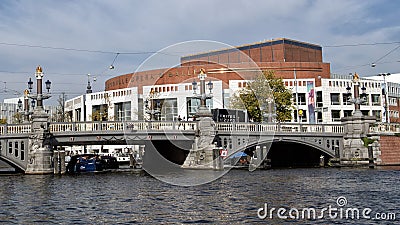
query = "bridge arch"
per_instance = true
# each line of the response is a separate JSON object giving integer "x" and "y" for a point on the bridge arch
{"x": 289, "y": 152}
{"x": 13, "y": 164}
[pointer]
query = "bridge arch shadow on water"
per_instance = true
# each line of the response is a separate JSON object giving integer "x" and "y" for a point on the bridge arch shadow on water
{"x": 290, "y": 154}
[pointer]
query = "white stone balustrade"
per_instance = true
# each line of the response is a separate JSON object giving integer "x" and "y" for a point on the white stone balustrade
{"x": 169, "y": 125}
{"x": 384, "y": 128}
{"x": 284, "y": 127}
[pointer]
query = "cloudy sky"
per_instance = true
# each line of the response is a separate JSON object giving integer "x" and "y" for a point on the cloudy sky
{"x": 71, "y": 39}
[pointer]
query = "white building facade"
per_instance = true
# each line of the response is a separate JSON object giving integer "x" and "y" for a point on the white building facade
{"x": 326, "y": 103}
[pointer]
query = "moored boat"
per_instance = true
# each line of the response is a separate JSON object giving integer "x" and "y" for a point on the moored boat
{"x": 91, "y": 163}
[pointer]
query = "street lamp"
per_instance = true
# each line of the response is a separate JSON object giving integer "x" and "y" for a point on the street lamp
{"x": 19, "y": 104}
{"x": 203, "y": 96}
{"x": 89, "y": 87}
{"x": 48, "y": 85}
{"x": 358, "y": 98}
{"x": 30, "y": 84}
{"x": 152, "y": 107}
{"x": 385, "y": 93}
{"x": 39, "y": 96}
{"x": 33, "y": 103}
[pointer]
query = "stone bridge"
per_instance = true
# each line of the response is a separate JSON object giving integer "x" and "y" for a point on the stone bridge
{"x": 17, "y": 141}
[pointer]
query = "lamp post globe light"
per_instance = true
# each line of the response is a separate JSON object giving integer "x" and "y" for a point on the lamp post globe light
{"x": 386, "y": 97}
{"x": 203, "y": 96}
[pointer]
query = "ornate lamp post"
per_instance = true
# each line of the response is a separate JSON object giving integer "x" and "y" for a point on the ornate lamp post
{"x": 203, "y": 96}
{"x": 269, "y": 114}
{"x": 89, "y": 86}
{"x": 40, "y": 153}
{"x": 358, "y": 98}
{"x": 39, "y": 96}
{"x": 384, "y": 93}
{"x": 204, "y": 154}
{"x": 356, "y": 127}
{"x": 152, "y": 105}
{"x": 19, "y": 109}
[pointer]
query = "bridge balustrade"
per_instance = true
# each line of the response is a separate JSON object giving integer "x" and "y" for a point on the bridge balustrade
{"x": 17, "y": 129}
{"x": 120, "y": 125}
{"x": 333, "y": 128}
{"x": 285, "y": 127}
{"x": 170, "y": 125}
{"x": 384, "y": 128}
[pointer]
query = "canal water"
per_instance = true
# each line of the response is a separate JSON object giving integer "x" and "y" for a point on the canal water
{"x": 238, "y": 197}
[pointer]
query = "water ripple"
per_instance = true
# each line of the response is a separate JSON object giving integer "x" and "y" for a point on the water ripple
{"x": 120, "y": 198}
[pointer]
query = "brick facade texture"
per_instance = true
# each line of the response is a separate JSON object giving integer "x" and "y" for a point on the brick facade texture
{"x": 283, "y": 56}
{"x": 390, "y": 150}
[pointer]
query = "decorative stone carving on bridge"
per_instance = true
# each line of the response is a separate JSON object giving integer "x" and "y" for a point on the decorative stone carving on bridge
{"x": 356, "y": 127}
{"x": 202, "y": 155}
{"x": 39, "y": 151}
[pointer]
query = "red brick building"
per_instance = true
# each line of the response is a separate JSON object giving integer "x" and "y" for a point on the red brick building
{"x": 284, "y": 56}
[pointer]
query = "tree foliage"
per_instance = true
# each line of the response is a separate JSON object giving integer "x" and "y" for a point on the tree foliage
{"x": 18, "y": 117}
{"x": 100, "y": 114}
{"x": 3, "y": 121}
{"x": 254, "y": 98}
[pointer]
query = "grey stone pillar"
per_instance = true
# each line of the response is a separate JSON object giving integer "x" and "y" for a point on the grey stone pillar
{"x": 356, "y": 127}
{"x": 40, "y": 155}
{"x": 201, "y": 156}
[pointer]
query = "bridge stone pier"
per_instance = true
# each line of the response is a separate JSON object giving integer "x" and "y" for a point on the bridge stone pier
{"x": 204, "y": 153}
{"x": 39, "y": 148}
{"x": 356, "y": 128}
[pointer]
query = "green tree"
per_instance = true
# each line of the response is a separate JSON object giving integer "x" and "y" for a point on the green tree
{"x": 18, "y": 117}
{"x": 100, "y": 113}
{"x": 254, "y": 98}
{"x": 3, "y": 121}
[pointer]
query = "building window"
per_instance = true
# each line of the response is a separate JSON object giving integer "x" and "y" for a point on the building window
{"x": 395, "y": 114}
{"x": 365, "y": 112}
{"x": 346, "y": 100}
{"x": 22, "y": 150}
{"x": 193, "y": 105}
{"x": 122, "y": 111}
{"x": 302, "y": 115}
{"x": 335, "y": 99}
{"x": 335, "y": 115}
{"x": 100, "y": 112}
{"x": 319, "y": 99}
{"x": 10, "y": 147}
{"x": 347, "y": 113}
{"x": 16, "y": 148}
{"x": 376, "y": 99}
{"x": 392, "y": 101}
{"x": 366, "y": 100}
{"x": 301, "y": 98}
{"x": 169, "y": 109}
